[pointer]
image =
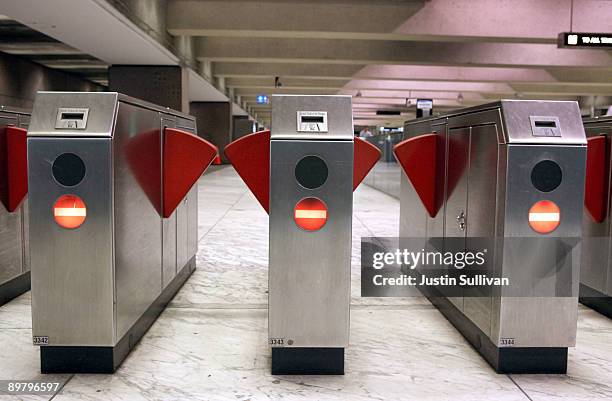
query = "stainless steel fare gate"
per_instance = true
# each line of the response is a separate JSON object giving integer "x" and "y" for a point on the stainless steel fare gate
{"x": 303, "y": 173}
{"x": 113, "y": 233}
{"x": 14, "y": 257}
{"x": 511, "y": 172}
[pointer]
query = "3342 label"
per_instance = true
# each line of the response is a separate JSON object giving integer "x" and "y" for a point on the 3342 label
{"x": 40, "y": 340}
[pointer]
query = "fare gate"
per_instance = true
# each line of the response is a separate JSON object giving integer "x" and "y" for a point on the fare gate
{"x": 511, "y": 172}
{"x": 113, "y": 233}
{"x": 303, "y": 173}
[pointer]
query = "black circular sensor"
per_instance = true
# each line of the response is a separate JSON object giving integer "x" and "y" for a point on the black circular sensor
{"x": 68, "y": 169}
{"x": 311, "y": 172}
{"x": 546, "y": 176}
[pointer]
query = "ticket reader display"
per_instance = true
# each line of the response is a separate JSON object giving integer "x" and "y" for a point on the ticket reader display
{"x": 303, "y": 173}
{"x": 14, "y": 259}
{"x": 511, "y": 173}
{"x": 596, "y": 267}
{"x": 114, "y": 222}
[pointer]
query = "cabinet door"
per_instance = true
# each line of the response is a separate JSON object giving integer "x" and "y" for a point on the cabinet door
{"x": 456, "y": 216}
{"x": 482, "y": 188}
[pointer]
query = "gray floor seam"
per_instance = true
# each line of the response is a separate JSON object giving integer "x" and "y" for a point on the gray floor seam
{"x": 62, "y": 388}
{"x": 519, "y": 387}
{"x": 222, "y": 217}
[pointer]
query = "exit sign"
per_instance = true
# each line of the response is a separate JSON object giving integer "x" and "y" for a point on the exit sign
{"x": 585, "y": 40}
{"x": 262, "y": 99}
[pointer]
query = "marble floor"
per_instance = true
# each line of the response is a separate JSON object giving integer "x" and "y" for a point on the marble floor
{"x": 211, "y": 342}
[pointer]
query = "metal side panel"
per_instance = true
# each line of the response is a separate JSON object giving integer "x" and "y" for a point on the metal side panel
{"x": 187, "y": 239}
{"x": 595, "y": 264}
{"x": 310, "y": 279}
{"x": 500, "y": 208}
{"x": 11, "y": 251}
{"x": 72, "y": 269}
{"x": 482, "y": 192}
{"x": 169, "y": 250}
{"x": 138, "y": 225}
{"x": 25, "y": 229}
{"x": 24, "y": 122}
{"x": 542, "y": 321}
{"x": 169, "y": 228}
{"x": 413, "y": 215}
{"x": 186, "y": 215}
{"x": 192, "y": 222}
{"x": 435, "y": 225}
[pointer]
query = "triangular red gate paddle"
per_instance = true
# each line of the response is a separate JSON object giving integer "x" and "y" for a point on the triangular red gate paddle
{"x": 596, "y": 185}
{"x": 417, "y": 156}
{"x": 186, "y": 157}
{"x": 365, "y": 156}
{"x": 250, "y": 156}
{"x": 14, "y": 167}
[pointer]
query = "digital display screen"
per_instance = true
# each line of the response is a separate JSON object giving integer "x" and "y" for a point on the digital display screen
{"x": 313, "y": 119}
{"x": 73, "y": 116}
{"x": 546, "y": 124}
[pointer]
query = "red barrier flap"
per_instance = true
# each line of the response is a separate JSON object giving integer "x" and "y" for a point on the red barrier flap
{"x": 417, "y": 156}
{"x": 596, "y": 186}
{"x": 186, "y": 157}
{"x": 14, "y": 159}
{"x": 250, "y": 156}
{"x": 365, "y": 156}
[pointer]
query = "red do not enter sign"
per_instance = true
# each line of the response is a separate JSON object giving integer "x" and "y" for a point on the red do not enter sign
{"x": 544, "y": 216}
{"x": 310, "y": 214}
{"x": 69, "y": 211}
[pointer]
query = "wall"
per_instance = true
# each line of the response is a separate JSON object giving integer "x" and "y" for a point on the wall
{"x": 20, "y": 79}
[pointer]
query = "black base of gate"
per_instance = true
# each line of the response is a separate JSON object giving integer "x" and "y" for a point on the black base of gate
{"x": 14, "y": 288}
{"x": 307, "y": 361}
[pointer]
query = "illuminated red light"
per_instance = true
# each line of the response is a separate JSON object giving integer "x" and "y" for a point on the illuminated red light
{"x": 310, "y": 214}
{"x": 544, "y": 217}
{"x": 69, "y": 211}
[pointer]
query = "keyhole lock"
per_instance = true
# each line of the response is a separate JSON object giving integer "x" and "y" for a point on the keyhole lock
{"x": 461, "y": 220}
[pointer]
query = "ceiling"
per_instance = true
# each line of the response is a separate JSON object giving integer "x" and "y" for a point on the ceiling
{"x": 385, "y": 53}
{"x": 21, "y": 40}
{"x": 388, "y": 53}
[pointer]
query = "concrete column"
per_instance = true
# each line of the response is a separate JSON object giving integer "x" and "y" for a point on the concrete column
{"x": 160, "y": 84}
{"x": 241, "y": 126}
{"x": 214, "y": 120}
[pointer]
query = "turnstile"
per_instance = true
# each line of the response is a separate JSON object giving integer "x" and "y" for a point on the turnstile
{"x": 596, "y": 267}
{"x": 304, "y": 173}
{"x": 113, "y": 228}
{"x": 511, "y": 172}
{"x": 14, "y": 262}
